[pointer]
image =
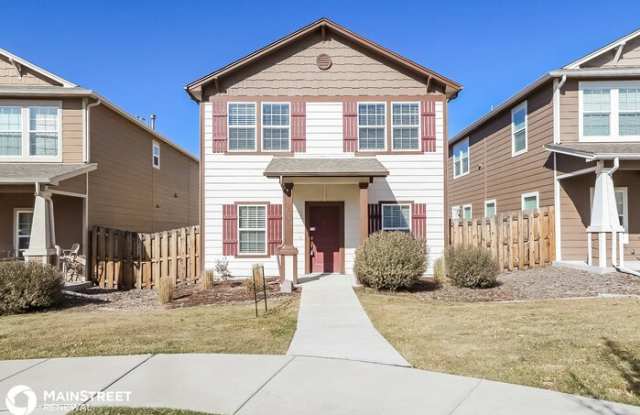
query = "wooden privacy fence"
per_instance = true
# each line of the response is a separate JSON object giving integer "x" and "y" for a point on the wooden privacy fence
{"x": 124, "y": 260}
{"x": 517, "y": 240}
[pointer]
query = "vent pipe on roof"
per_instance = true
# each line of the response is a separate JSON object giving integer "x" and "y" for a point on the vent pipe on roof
{"x": 153, "y": 118}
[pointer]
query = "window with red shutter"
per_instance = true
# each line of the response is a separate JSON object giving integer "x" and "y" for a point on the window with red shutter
{"x": 219, "y": 109}
{"x": 374, "y": 218}
{"x": 274, "y": 227}
{"x": 229, "y": 230}
{"x": 419, "y": 221}
{"x": 298, "y": 127}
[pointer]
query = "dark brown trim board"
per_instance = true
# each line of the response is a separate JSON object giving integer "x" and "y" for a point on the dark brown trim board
{"x": 307, "y": 257}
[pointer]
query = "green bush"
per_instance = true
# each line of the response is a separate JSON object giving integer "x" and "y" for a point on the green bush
{"x": 27, "y": 285}
{"x": 471, "y": 267}
{"x": 390, "y": 260}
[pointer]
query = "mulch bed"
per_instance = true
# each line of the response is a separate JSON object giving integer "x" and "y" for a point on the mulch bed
{"x": 535, "y": 284}
{"x": 223, "y": 292}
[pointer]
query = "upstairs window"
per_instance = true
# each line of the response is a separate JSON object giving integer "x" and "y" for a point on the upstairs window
{"x": 10, "y": 131}
{"x": 43, "y": 131}
{"x": 155, "y": 155}
{"x": 405, "y": 118}
{"x": 371, "y": 126}
{"x": 461, "y": 158}
{"x": 629, "y": 105}
{"x": 276, "y": 127}
{"x": 596, "y": 112}
{"x": 252, "y": 229}
{"x": 242, "y": 126}
{"x": 519, "y": 129}
{"x": 396, "y": 217}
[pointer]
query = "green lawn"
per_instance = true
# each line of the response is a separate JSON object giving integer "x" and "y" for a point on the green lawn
{"x": 212, "y": 329}
{"x": 132, "y": 411}
{"x": 589, "y": 347}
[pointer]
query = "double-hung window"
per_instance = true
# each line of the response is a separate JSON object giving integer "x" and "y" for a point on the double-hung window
{"x": 10, "y": 131}
{"x": 405, "y": 128}
{"x": 23, "y": 220}
{"x": 276, "y": 126}
{"x": 456, "y": 212}
{"x": 396, "y": 217}
{"x": 30, "y": 131}
{"x": 489, "y": 208}
{"x": 519, "y": 129}
{"x": 155, "y": 155}
{"x": 252, "y": 229}
{"x": 461, "y": 158}
{"x": 467, "y": 212}
{"x": 371, "y": 126}
{"x": 242, "y": 126}
{"x": 530, "y": 200}
{"x": 609, "y": 111}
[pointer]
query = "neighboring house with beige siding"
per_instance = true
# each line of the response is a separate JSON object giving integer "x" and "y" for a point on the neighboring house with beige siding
{"x": 70, "y": 160}
{"x": 570, "y": 140}
{"x": 312, "y": 143}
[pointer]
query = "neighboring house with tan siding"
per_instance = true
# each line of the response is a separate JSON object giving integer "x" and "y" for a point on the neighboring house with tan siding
{"x": 70, "y": 159}
{"x": 570, "y": 140}
{"x": 312, "y": 143}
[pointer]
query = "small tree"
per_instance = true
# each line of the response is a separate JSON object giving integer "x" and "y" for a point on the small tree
{"x": 390, "y": 260}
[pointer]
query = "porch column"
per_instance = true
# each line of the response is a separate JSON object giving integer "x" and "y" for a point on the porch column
{"x": 288, "y": 253}
{"x": 364, "y": 211}
{"x": 42, "y": 243}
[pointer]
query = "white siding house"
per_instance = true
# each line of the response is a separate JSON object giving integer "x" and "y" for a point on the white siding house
{"x": 296, "y": 177}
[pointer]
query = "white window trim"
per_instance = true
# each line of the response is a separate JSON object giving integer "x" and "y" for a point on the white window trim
{"x": 625, "y": 205}
{"x": 16, "y": 212}
{"x": 26, "y": 145}
{"x": 458, "y": 144}
{"x": 263, "y": 127}
{"x": 255, "y": 127}
{"x": 396, "y": 204}
{"x": 529, "y": 194}
{"x": 155, "y": 145}
{"x": 495, "y": 206}
{"x": 419, "y": 126}
{"x": 265, "y": 229}
{"x": 470, "y": 206}
{"x": 456, "y": 209}
{"x": 614, "y": 110}
{"x": 519, "y": 107}
{"x": 372, "y": 150}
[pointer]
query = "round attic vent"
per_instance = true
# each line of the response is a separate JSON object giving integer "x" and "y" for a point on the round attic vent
{"x": 323, "y": 61}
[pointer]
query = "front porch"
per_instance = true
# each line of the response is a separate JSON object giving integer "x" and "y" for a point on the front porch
{"x": 599, "y": 204}
{"x": 43, "y": 211}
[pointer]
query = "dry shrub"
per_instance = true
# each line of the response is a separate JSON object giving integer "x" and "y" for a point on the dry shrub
{"x": 166, "y": 290}
{"x": 471, "y": 267}
{"x": 28, "y": 285}
{"x": 260, "y": 284}
{"x": 439, "y": 271}
{"x": 390, "y": 260}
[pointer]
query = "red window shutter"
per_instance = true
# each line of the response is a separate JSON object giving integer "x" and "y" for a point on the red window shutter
{"x": 428, "y": 126}
{"x": 219, "y": 126}
{"x": 274, "y": 227}
{"x": 419, "y": 221}
{"x": 229, "y": 230}
{"x": 350, "y": 126}
{"x": 375, "y": 218}
{"x": 298, "y": 127}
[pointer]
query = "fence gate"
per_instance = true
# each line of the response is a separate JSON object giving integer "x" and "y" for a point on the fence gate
{"x": 123, "y": 260}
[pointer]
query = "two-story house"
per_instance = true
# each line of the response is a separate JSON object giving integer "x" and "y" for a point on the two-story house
{"x": 313, "y": 142}
{"x": 70, "y": 159}
{"x": 570, "y": 140}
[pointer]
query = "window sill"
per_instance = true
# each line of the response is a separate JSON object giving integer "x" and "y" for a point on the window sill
{"x": 253, "y": 256}
{"x": 609, "y": 139}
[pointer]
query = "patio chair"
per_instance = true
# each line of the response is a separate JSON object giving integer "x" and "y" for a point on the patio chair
{"x": 72, "y": 264}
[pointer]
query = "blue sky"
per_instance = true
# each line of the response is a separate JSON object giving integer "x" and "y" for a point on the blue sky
{"x": 140, "y": 54}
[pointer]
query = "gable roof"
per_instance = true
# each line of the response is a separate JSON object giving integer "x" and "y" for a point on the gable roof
{"x": 572, "y": 70}
{"x": 323, "y": 25}
{"x": 18, "y": 62}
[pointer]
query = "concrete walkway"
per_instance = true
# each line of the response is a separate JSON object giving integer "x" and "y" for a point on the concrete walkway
{"x": 283, "y": 385}
{"x": 332, "y": 323}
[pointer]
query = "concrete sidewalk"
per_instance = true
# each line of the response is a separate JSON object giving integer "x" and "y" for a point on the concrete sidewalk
{"x": 249, "y": 384}
{"x": 332, "y": 323}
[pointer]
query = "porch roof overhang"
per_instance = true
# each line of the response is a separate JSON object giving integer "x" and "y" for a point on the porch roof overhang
{"x": 598, "y": 151}
{"x": 43, "y": 173}
{"x": 325, "y": 167}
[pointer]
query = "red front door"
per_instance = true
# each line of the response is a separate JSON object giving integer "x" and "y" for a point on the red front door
{"x": 325, "y": 237}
